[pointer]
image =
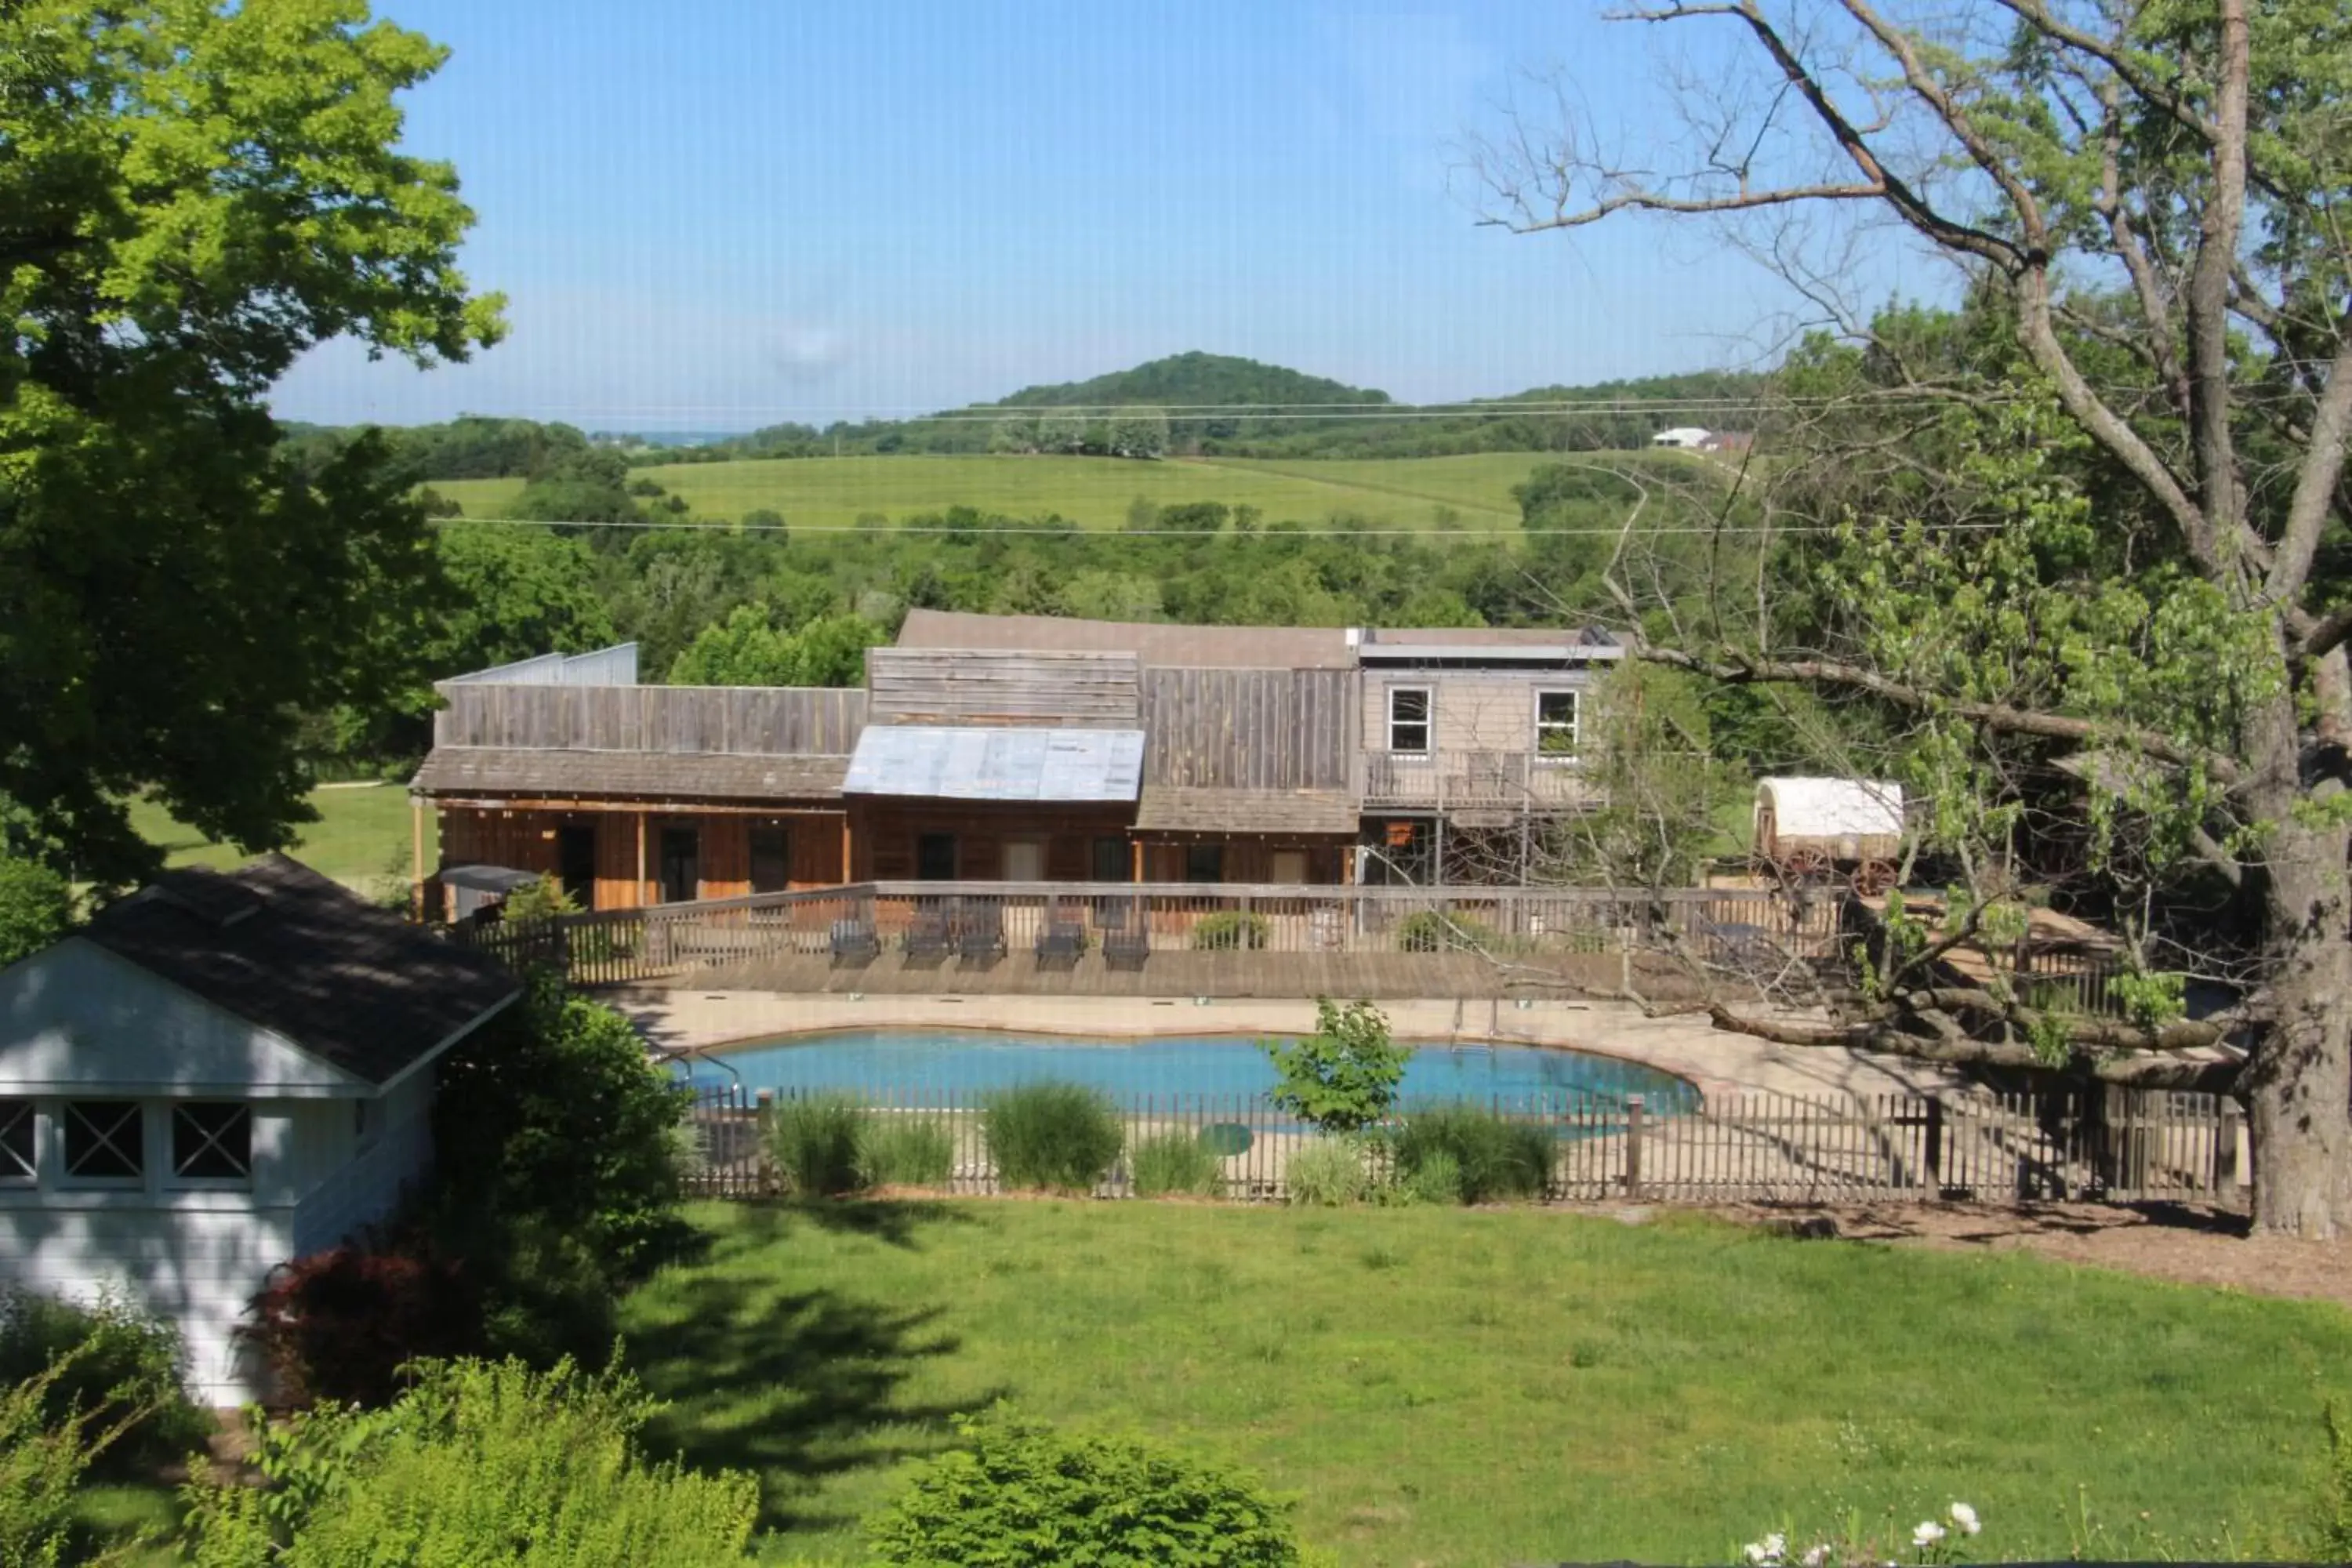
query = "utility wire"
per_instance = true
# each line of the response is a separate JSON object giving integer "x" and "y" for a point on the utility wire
{"x": 1076, "y": 532}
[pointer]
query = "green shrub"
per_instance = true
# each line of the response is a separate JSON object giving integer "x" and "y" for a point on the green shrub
{"x": 1327, "y": 1172}
{"x": 905, "y": 1151}
{"x": 535, "y": 902}
{"x": 1492, "y": 1158}
{"x": 49, "y": 1446}
{"x": 1344, "y": 1076}
{"x": 482, "y": 1462}
{"x": 554, "y": 1112}
{"x": 114, "y": 1363}
{"x": 1229, "y": 930}
{"x": 1019, "y": 1494}
{"x": 1426, "y": 930}
{"x": 1062, "y": 1136}
{"x": 1175, "y": 1163}
{"x": 814, "y": 1143}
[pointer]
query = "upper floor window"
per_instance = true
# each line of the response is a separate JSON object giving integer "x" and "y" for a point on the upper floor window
{"x": 212, "y": 1141}
{"x": 20, "y": 1158}
{"x": 105, "y": 1141}
{"x": 1556, "y": 723}
{"x": 1408, "y": 707}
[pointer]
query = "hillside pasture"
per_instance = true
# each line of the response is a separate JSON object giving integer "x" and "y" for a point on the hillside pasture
{"x": 1094, "y": 493}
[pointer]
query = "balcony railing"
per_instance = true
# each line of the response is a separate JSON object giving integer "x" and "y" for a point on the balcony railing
{"x": 1491, "y": 781}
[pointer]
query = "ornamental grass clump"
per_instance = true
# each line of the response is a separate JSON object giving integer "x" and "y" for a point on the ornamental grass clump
{"x": 1327, "y": 1172}
{"x": 1175, "y": 1164}
{"x": 905, "y": 1151}
{"x": 1059, "y": 1137}
{"x": 814, "y": 1143}
{"x": 1491, "y": 1158}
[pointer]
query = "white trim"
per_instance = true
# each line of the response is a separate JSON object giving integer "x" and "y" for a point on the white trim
{"x": 1575, "y": 696}
{"x": 430, "y": 1056}
{"x": 1428, "y": 720}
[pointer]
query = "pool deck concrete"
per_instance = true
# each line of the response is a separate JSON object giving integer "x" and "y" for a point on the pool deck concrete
{"x": 1717, "y": 1062}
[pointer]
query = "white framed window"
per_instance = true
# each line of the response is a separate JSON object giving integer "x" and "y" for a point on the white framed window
{"x": 1557, "y": 717}
{"x": 212, "y": 1142}
{"x": 105, "y": 1141}
{"x": 1410, "y": 710}
{"x": 20, "y": 1148}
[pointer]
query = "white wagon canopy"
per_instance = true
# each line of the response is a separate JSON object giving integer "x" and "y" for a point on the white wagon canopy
{"x": 1831, "y": 820}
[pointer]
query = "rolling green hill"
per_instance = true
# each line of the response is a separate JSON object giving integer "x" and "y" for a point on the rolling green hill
{"x": 1094, "y": 493}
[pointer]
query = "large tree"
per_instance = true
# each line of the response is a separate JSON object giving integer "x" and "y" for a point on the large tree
{"x": 191, "y": 195}
{"x": 2153, "y": 200}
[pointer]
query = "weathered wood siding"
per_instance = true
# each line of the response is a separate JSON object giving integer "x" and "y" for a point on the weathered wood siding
{"x": 1065, "y": 690}
{"x": 527, "y": 841}
{"x": 885, "y": 835}
{"x": 1472, "y": 710}
{"x": 753, "y": 721}
{"x": 1250, "y": 729}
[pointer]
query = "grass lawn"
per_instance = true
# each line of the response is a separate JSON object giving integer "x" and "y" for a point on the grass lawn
{"x": 1442, "y": 1387}
{"x": 360, "y": 830}
{"x": 1404, "y": 492}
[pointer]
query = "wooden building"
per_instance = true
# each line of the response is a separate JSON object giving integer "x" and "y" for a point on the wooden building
{"x": 1024, "y": 749}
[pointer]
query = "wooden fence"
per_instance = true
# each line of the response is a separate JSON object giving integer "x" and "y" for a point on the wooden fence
{"x": 1739, "y": 929}
{"x": 2115, "y": 1146}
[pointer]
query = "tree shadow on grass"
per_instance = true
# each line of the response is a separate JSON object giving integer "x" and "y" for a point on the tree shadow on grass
{"x": 794, "y": 1385}
{"x": 896, "y": 1222}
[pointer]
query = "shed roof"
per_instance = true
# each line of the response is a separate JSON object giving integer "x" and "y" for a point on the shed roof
{"x": 1232, "y": 647}
{"x": 956, "y": 763}
{"x": 1822, "y": 808}
{"x": 1173, "y": 808}
{"x": 282, "y": 947}
{"x": 641, "y": 775}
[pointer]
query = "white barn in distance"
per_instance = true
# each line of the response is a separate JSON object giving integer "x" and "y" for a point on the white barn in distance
{"x": 224, "y": 1072}
{"x": 1688, "y": 437}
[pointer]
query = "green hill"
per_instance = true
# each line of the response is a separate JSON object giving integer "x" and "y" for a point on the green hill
{"x": 1194, "y": 381}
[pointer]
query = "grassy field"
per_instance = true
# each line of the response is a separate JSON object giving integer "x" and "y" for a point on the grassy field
{"x": 1093, "y": 491}
{"x": 360, "y": 831}
{"x": 1441, "y": 1386}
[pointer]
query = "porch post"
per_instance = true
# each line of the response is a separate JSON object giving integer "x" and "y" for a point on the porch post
{"x": 1138, "y": 859}
{"x": 416, "y": 859}
{"x": 849, "y": 874}
{"x": 641, "y": 899}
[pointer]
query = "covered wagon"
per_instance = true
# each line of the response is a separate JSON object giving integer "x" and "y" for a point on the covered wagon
{"x": 1808, "y": 829}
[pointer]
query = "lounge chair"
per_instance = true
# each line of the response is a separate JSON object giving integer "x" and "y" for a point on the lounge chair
{"x": 980, "y": 932}
{"x": 1126, "y": 937}
{"x": 854, "y": 939}
{"x": 929, "y": 935}
{"x": 1062, "y": 934}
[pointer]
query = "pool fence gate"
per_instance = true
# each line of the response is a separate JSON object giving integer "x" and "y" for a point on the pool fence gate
{"x": 2113, "y": 1145}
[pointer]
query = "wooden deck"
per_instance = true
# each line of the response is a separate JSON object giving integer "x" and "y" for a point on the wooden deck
{"x": 1368, "y": 976}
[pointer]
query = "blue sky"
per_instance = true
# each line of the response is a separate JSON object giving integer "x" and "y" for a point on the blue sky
{"x": 719, "y": 214}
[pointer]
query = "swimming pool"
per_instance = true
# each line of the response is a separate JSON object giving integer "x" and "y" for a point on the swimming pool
{"x": 957, "y": 1063}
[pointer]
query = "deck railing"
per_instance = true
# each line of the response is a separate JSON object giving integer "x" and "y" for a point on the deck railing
{"x": 2118, "y": 1145}
{"x": 1121, "y": 922}
{"x": 1445, "y": 781}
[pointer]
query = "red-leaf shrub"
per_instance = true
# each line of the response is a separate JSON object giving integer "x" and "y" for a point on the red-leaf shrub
{"x": 338, "y": 1325}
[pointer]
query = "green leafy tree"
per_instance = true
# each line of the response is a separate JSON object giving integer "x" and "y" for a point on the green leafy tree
{"x": 37, "y": 907}
{"x": 2110, "y": 558}
{"x": 1343, "y": 1078}
{"x": 195, "y": 195}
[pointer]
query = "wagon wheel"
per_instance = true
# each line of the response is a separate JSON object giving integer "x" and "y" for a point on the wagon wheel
{"x": 1802, "y": 866}
{"x": 1873, "y": 878}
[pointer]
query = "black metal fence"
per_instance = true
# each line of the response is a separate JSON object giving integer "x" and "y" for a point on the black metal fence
{"x": 2115, "y": 1146}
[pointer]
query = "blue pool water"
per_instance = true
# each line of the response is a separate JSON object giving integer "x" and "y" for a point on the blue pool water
{"x": 959, "y": 1063}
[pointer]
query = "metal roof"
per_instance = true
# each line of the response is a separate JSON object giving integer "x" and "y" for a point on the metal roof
{"x": 997, "y": 763}
{"x": 1154, "y": 643}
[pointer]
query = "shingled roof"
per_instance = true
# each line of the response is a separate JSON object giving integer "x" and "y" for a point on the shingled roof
{"x": 1172, "y": 808}
{"x": 282, "y": 947}
{"x": 635, "y": 775}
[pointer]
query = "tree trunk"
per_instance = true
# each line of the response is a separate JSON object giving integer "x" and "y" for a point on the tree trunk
{"x": 2298, "y": 1087}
